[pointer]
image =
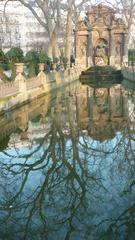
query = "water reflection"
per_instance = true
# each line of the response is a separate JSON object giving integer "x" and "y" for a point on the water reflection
{"x": 67, "y": 166}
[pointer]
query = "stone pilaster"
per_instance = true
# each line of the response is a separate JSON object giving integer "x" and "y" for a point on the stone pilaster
{"x": 125, "y": 50}
{"x": 111, "y": 49}
{"x": 90, "y": 47}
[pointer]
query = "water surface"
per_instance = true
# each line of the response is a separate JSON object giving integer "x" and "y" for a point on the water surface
{"x": 67, "y": 166}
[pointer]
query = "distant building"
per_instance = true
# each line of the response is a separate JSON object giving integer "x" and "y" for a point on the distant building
{"x": 19, "y": 28}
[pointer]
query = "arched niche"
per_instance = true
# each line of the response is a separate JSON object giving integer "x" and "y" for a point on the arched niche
{"x": 101, "y": 54}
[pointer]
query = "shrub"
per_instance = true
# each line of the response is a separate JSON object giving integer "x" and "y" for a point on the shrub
{"x": 3, "y": 57}
{"x": 43, "y": 57}
{"x": 49, "y": 61}
{"x": 32, "y": 59}
{"x": 15, "y": 55}
{"x": 3, "y": 61}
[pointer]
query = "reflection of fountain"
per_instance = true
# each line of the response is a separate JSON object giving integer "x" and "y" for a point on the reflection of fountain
{"x": 105, "y": 111}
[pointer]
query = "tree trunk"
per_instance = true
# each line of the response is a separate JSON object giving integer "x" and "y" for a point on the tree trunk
{"x": 68, "y": 45}
{"x": 53, "y": 49}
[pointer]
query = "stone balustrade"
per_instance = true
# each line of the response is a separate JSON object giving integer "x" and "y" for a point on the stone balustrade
{"x": 8, "y": 89}
{"x": 33, "y": 83}
{"x": 22, "y": 90}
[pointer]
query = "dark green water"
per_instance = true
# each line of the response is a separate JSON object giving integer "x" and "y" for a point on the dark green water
{"x": 67, "y": 166}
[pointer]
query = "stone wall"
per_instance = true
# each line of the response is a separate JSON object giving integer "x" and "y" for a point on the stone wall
{"x": 23, "y": 90}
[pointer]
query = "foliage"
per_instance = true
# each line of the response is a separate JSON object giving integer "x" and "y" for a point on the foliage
{"x": 32, "y": 58}
{"x": 15, "y": 55}
{"x": 55, "y": 60}
{"x": 3, "y": 57}
{"x": 3, "y": 61}
{"x": 43, "y": 57}
{"x": 12, "y": 67}
{"x": 49, "y": 61}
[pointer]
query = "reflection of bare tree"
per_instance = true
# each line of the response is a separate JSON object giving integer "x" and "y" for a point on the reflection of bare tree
{"x": 60, "y": 185}
{"x": 51, "y": 166}
{"x": 127, "y": 218}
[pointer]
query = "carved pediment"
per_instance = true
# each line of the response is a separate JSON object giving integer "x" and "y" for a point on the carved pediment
{"x": 101, "y": 9}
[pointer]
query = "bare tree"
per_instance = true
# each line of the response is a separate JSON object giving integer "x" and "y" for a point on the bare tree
{"x": 47, "y": 13}
{"x": 51, "y": 15}
{"x": 126, "y": 10}
{"x": 74, "y": 9}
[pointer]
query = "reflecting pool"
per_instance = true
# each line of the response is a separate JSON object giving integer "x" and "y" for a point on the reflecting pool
{"x": 67, "y": 166}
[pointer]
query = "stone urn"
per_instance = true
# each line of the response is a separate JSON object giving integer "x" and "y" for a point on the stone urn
{"x": 19, "y": 68}
{"x": 41, "y": 66}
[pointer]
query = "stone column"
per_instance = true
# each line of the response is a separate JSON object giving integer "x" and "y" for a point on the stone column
{"x": 125, "y": 50}
{"x": 75, "y": 36}
{"x": 125, "y": 44}
{"x": 76, "y": 52}
{"x": 112, "y": 48}
{"x": 90, "y": 47}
